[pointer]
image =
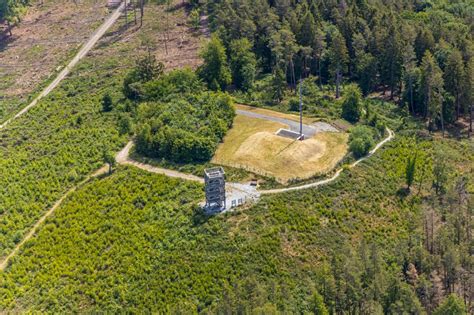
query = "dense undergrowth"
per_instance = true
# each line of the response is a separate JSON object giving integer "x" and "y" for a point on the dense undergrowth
{"x": 47, "y": 151}
{"x": 135, "y": 241}
{"x": 60, "y": 141}
{"x": 180, "y": 120}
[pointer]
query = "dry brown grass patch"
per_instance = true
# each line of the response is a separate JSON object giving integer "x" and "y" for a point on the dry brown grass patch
{"x": 253, "y": 145}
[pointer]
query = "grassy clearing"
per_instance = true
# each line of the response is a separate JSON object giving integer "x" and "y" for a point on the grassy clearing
{"x": 252, "y": 144}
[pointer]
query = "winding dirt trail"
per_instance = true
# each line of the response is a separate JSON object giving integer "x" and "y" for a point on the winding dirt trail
{"x": 35, "y": 227}
{"x": 123, "y": 158}
{"x": 390, "y": 136}
{"x": 81, "y": 54}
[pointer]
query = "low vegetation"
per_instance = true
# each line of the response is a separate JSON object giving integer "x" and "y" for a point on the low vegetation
{"x": 63, "y": 139}
{"x": 252, "y": 144}
{"x": 355, "y": 243}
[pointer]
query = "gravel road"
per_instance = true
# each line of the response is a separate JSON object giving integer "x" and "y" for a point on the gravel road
{"x": 308, "y": 130}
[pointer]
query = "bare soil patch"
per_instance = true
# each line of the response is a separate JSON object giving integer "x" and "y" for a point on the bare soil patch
{"x": 47, "y": 36}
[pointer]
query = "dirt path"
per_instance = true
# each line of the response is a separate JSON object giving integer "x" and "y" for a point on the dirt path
{"x": 83, "y": 52}
{"x": 34, "y": 229}
{"x": 122, "y": 158}
{"x": 390, "y": 136}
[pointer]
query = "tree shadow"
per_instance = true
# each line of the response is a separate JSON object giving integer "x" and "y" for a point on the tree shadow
{"x": 113, "y": 37}
{"x": 6, "y": 40}
{"x": 403, "y": 192}
{"x": 177, "y": 7}
{"x": 200, "y": 217}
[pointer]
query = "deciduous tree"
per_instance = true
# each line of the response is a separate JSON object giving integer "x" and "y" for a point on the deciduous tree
{"x": 215, "y": 70}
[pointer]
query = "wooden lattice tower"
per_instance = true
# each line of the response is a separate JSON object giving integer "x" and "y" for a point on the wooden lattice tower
{"x": 214, "y": 179}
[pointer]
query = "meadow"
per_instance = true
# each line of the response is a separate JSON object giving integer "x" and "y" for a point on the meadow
{"x": 252, "y": 144}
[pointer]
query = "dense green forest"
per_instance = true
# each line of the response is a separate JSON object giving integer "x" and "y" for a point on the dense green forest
{"x": 419, "y": 53}
{"x": 390, "y": 236}
{"x": 177, "y": 118}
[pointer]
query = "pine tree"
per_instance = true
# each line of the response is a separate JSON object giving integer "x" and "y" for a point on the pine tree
{"x": 468, "y": 91}
{"x": 452, "y": 305}
{"x": 339, "y": 58}
{"x": 431, "y": 88}
{"x": 453, "y": 77}
{"x": 284, "y": 47}
{"x": 390, "y": 47}
{"x": 107, "y": 104}
{"x": 411, "y": 74}
{"x": 410, "y": 171}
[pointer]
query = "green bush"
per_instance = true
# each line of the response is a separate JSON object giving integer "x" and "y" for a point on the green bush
{"x": 351, "y": 107}
{"x": 181, "y": 121}
{"x": 361, "y": 140}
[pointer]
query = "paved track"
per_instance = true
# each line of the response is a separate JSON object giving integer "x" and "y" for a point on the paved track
{"x": 308, "y": 130}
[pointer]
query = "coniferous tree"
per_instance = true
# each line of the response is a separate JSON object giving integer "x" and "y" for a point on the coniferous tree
{"x": 468, "y": 91}
{"x": 107, "y": 104}
{"x": 284, "y": 47}
{"x": 411, "y": 75}
{"x": 365, "y": 64}
{"x": 452, "y": 305}
{"x": 391, "y": 54}
{"x": 453, "y": 78}
{"x": 339, "y": 58}
{"x": 431, "y": 89}
{"x": 410, "y": 171}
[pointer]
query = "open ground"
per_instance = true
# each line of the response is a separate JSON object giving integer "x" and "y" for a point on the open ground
{"x": 41, "y": 44}
{"x": 252, "y": 144}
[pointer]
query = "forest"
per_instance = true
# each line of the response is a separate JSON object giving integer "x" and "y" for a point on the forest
{"x": 416, "y": 53}
{"x": 390, "y": 236}
{"x": 177, "y": 118}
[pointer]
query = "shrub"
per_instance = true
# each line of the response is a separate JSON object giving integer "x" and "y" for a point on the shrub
{"x": 351, "y": 104}
{"x": 361, "y": 140}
